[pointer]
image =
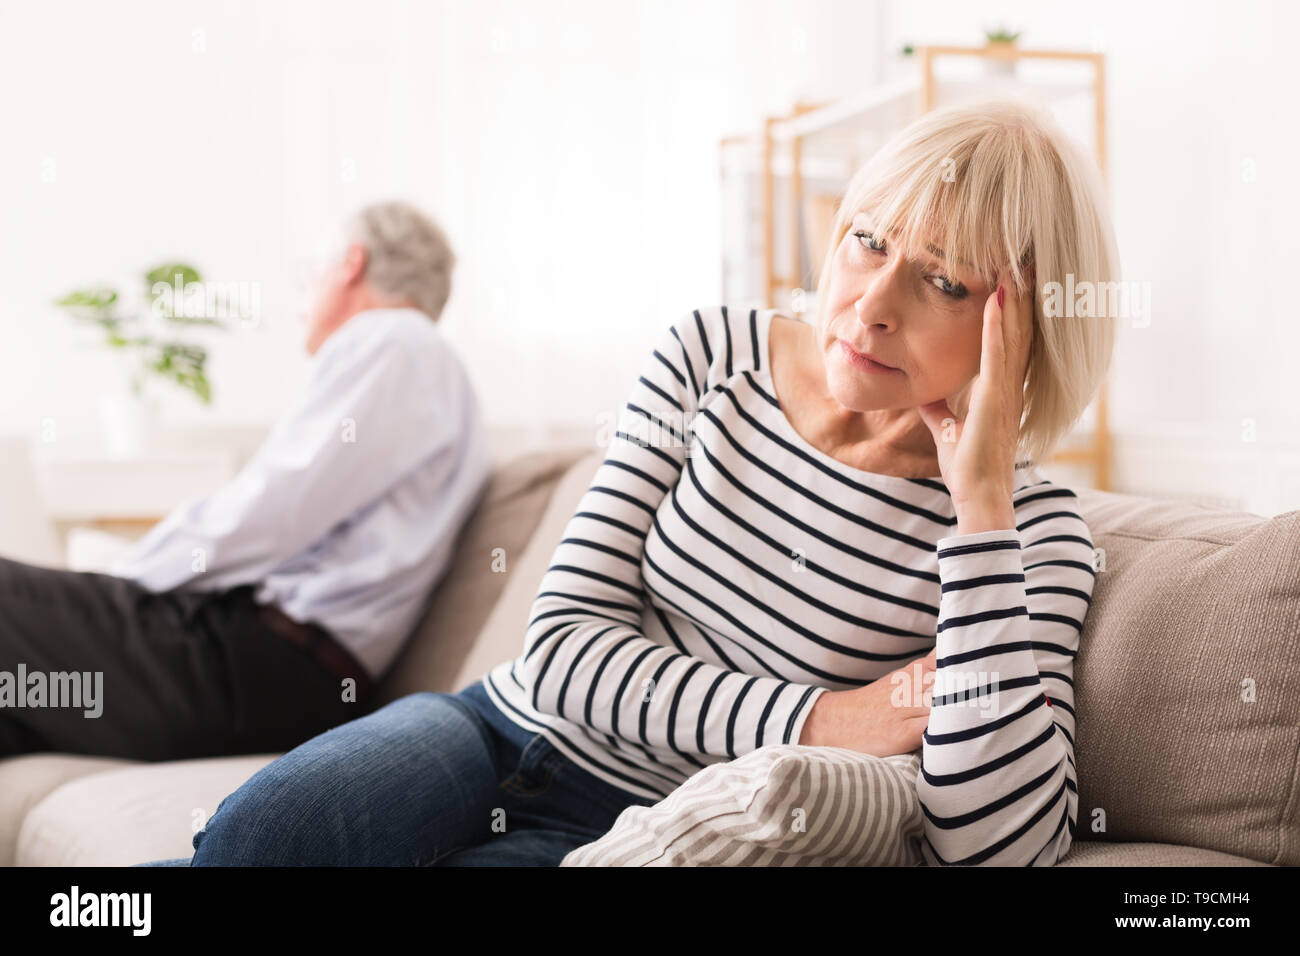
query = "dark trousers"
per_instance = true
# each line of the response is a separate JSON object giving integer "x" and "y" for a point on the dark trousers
{"x": 183, "y": 674}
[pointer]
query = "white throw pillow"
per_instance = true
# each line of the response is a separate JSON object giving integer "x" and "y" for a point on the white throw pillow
{"x": 780, "y": 805}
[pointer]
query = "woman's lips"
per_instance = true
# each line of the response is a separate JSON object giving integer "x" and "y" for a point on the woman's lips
{"x": 861, "y": 360}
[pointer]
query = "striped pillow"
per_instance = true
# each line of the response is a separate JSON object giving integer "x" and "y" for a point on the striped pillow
{"x": 780, "y": 805}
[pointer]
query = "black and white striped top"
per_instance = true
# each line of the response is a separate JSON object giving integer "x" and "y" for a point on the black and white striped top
{"x": 721, "y": 573}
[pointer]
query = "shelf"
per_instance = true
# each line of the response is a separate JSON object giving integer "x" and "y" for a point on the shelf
{"x": 88, "y": 487}
{"x": 890, "y": 105}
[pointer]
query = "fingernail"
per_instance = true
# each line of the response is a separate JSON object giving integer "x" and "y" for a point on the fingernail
{"x": 1002, "y": 294}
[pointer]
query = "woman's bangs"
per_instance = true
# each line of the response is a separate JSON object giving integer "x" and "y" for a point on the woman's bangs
{"x": 926, "y": 222}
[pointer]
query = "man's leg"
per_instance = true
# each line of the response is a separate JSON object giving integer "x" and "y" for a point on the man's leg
{"x": 161, "y": 676}
{"x": 278, "y": 694}
{"x": 131, "y": 649}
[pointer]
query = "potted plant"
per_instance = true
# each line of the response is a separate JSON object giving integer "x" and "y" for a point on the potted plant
{"x": 1000, "y": 42}
{"x": 150, "y": 333}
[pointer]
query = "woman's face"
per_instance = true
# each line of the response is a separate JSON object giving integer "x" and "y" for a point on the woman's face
{"x": 923, "y": 318}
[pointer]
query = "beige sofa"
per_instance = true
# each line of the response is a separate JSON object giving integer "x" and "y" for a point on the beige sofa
{"x": 1187, "y": 686}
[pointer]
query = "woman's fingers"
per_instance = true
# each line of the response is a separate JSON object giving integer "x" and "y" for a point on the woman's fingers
{"x": 1009, "y": 327}
{"x": 1019, "y": 322}
{"x": 992, "y": 345}
{"x": 920, "y": 675}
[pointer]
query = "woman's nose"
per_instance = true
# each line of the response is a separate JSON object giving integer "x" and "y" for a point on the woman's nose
{"x": 878, "y": 301}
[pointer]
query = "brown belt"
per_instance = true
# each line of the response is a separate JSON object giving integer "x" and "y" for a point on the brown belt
{"x": 317, "y": 642}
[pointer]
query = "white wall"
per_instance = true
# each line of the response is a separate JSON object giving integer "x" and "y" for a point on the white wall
{"x": 581, "y": 172}
{"x": 570, "y": 148}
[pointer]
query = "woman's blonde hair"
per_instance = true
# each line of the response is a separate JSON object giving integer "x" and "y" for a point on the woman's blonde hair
{"x": 998, "y": 184}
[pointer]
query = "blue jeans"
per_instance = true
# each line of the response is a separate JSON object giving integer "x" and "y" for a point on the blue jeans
{"x": 429, "y": 780}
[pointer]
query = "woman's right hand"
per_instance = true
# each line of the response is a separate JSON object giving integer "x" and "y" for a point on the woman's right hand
{"x": 886, "y": 717}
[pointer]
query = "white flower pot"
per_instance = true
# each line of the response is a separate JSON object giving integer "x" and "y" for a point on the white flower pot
{"x": 126, "y": 420}
{"x": 998, "y": 67}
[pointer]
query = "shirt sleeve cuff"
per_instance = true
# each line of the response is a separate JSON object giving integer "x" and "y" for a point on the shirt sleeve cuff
{"x": 796, "y": 720}
{"x": 961, "y": 541}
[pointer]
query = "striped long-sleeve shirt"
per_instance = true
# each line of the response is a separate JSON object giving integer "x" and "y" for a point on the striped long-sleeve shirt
{"x": 721, "y": 573}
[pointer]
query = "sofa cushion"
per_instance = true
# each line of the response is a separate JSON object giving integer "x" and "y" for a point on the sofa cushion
{"x": 25, "y": 781}
{"x": 133, "y": 814}
{"x": 1188, "y": 677}
{"x": 502, "y": 636}
{"x": 1101, "y": 853}
{"x": 505, "y": 518}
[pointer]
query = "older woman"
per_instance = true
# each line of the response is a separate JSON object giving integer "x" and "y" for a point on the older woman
{"x": 788, "y": 514}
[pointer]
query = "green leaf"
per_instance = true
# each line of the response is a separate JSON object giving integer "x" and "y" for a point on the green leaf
{"x": 175, "y": 361}
{"x": 169, "y": 271}
{"x": 96, "y": 299}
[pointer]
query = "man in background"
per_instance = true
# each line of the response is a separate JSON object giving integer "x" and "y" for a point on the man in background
{"x": 260, "y": 615}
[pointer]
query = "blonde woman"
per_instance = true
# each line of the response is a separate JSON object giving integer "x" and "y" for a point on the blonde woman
{"x": 790, "y": 513}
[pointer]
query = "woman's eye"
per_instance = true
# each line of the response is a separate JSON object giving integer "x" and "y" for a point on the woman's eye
{"x": 949, "y": 288}
{"x": 945, "y": 285}
{"x": 865, "y": 239}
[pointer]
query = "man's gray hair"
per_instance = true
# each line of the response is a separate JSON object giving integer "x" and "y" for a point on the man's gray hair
{"x": 408, "y": 256}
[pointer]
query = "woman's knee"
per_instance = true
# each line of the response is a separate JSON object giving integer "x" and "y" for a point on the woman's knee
{"x": 273, "y": 819}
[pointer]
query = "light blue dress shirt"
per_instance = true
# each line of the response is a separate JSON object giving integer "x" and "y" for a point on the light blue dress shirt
{"x": 347, "y": 514}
